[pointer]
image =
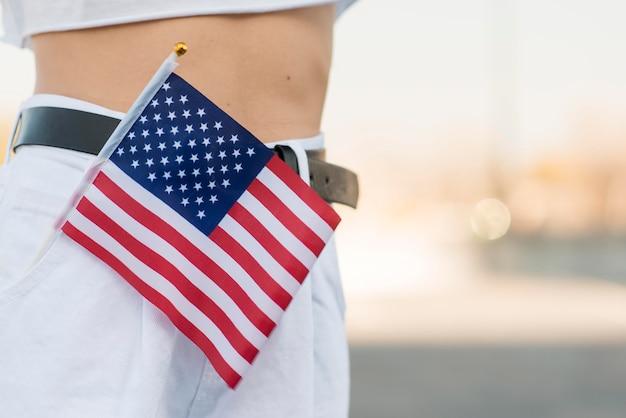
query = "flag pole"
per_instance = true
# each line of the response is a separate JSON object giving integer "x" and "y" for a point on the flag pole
{"x": 143, "y": 100}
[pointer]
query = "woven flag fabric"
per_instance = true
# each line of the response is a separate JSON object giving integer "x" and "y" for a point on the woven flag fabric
{"x": 205, "y": 222}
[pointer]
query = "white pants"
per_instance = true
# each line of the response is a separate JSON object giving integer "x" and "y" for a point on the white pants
{"x": 77, "y": 341}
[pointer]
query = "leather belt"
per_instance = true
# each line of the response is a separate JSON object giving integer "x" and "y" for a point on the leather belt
{"x": 87, "y": 132}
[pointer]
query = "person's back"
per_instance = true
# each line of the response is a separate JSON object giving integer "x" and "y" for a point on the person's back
{"x": 76, "y": 339}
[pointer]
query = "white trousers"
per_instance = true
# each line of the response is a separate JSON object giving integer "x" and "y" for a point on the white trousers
{"x": 77, "y": 341}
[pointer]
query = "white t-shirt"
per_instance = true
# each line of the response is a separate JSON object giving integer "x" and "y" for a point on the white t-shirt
{"x": 23, "y": 18}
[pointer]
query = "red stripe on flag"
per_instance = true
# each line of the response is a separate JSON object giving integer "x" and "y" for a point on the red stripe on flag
{"x": 269, "y": 242}
{"x": 307, "y": 194}
{"x": 279, "y": 295}
{"x": 163, "y": 267}
{"x": 213, "y": 271}
{"x": 186, "y": 327}
{"x": 286, "y": 217}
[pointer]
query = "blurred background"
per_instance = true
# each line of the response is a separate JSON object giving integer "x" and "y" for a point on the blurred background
{"x": 484, "y": 270}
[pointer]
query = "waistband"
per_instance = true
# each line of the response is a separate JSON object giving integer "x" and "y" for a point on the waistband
{"x": 67, "y": 123}
{"x": 315, "y": 142}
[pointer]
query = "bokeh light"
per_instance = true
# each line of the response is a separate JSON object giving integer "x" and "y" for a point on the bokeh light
{"x": 490, "y": 219}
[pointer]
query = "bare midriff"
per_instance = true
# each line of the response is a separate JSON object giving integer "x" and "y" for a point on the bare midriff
{"x": 268, "y": 71}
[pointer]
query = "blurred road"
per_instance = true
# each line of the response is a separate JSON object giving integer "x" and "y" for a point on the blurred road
{"x": 563, "y": 381}
{"x": 533, "y": 328}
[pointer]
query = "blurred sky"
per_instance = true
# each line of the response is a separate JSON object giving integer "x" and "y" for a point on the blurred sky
{"x": 521, "y": 72}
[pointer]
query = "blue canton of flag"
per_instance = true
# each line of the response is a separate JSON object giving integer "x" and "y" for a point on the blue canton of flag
{"x": 190, "y": 154}
{"x": 204, "y": 221}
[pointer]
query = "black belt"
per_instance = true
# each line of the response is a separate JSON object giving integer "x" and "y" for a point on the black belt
{"x": 87, "y": 132}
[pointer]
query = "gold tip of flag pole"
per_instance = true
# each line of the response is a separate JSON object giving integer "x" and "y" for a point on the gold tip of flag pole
{"x": 180, "y": 48}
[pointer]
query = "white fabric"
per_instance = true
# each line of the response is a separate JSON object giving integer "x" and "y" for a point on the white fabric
{"x": 77, "y": 341}
{"x": 23, "y": 18}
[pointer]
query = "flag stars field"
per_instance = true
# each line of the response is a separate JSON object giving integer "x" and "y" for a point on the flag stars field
{"x": 154, "y": 127}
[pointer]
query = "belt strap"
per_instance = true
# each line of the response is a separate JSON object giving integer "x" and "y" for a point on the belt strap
{"x": 333, "y": 183}
{"x": 88, "y": 132}
{"x": 64, "y": 128}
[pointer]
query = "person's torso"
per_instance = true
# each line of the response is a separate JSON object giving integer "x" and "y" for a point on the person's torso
{"x": 267, "y": 70}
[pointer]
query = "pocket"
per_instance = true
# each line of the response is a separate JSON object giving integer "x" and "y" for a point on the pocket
{"x": 33, "y": 275}
{"x": 27, "y": 217}
{"x": 72, "y": 326}
{"x": 34, "y": 188}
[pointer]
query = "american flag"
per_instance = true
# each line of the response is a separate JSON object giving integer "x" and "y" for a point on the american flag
{"x": 205, "y": 222}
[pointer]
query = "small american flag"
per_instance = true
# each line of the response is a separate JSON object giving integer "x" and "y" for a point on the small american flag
{"x": 205, "y": 222}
